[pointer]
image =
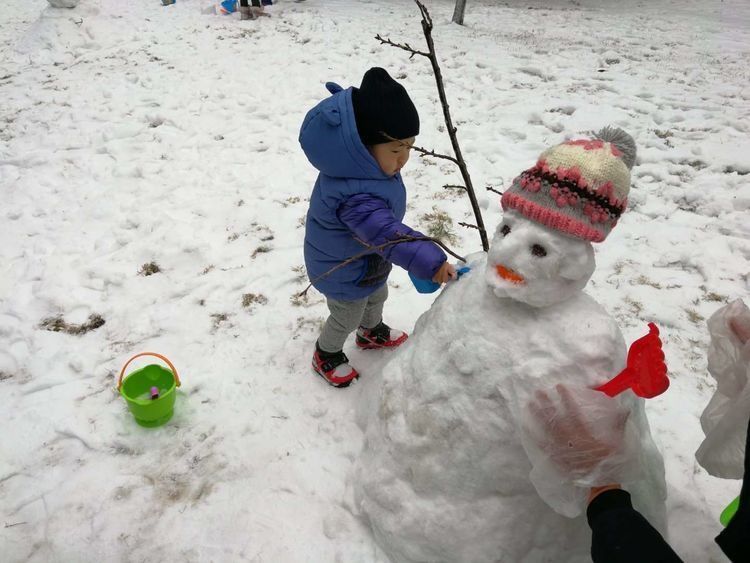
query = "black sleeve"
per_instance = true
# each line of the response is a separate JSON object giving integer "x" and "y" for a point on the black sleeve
{"x": 621, "y": 535}
{"x": 734, "y": 540}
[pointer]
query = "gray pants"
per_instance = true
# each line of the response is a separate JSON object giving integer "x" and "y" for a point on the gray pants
{"x": 346, "y": 316}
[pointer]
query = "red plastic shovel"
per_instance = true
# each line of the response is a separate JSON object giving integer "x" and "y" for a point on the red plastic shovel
{"x": 646, "y": 372}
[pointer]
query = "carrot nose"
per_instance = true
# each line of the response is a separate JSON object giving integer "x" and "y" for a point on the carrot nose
{"x": 508, "y": 274}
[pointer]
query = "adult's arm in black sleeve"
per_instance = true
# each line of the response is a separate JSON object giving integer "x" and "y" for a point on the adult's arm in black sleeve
{"x": 621, "y": 535}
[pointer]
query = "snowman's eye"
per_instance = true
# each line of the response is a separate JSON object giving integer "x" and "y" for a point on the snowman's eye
{"x": 505, "y": 230}
{"x": 538, "y": 250}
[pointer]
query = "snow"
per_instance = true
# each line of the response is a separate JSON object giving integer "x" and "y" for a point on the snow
{"x": 132, "y": 132}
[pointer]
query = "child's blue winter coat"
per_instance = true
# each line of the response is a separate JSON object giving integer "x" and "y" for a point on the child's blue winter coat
{"x": 354, "y": 199}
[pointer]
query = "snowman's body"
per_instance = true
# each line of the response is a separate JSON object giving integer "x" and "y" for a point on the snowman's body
{"x": 444, "y": 475}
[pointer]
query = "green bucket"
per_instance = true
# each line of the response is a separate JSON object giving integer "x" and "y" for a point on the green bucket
{"x": 150, "y": 391}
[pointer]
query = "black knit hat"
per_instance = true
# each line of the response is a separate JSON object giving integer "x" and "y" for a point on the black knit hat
{"x": 382, "y": 105}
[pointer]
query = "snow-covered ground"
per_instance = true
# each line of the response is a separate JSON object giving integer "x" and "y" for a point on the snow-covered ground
{"x": 133, "y": 133}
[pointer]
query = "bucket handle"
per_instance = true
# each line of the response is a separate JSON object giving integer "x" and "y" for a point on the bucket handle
{"x": 171, "y": 365}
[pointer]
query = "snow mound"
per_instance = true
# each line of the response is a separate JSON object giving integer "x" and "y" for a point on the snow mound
{"x": 62, "y": 36}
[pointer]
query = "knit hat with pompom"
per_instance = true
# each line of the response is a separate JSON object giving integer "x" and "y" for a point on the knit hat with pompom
{"x": 579, "y": 187}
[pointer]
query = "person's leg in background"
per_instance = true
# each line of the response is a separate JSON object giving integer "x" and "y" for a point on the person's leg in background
{"x": 250, "y": 12}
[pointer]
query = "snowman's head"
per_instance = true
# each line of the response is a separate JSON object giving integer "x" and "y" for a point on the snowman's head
{"x": 536, "y": 265}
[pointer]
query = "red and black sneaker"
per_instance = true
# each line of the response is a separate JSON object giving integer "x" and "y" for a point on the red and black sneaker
{"x": 380, "y": 336}
{"x": 333, "y": 367}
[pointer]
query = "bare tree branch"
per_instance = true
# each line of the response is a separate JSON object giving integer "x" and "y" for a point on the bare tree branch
{"x": 420, "y": 150}
{"x": 458, "y": 159}
{"x": 409, "y": 238}
{"x": 369, "y": 249}
{"x": 491, "y": 189}
{"x": 426, "y": 18}
{"x": 405, "y": 47}
{"x": 468, "y": 225}
{"x": 454, "y": 187}
{"x": 433, "y": 154}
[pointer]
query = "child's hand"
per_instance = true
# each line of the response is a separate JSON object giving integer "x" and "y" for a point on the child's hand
{"x": 445, "y": 273}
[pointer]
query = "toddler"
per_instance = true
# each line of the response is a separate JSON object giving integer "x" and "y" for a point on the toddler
{"x": 359, "y": 139}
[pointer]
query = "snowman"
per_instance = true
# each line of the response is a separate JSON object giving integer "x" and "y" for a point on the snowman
{"x": 451, "y": 469}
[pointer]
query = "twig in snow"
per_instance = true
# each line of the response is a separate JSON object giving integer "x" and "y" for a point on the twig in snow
{"x": 66, "y": 434}
{"x": 3, "y": 479}
{"x": 468, "y": 225}
{"x": 491, "y": 189}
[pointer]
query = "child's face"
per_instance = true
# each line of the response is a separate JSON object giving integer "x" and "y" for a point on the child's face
{"x": 392, "y": 156}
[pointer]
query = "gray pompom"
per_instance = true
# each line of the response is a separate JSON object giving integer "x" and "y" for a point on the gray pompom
{"x": 622, "y": 141}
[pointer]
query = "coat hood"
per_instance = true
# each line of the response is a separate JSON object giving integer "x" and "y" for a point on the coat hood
{"x": 331, "y": 142}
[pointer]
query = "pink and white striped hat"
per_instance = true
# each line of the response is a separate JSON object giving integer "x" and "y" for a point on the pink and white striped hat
{"x": 579, "y": 187}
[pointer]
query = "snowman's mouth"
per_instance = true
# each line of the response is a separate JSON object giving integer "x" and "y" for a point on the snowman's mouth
{"x": 509, "y": 275}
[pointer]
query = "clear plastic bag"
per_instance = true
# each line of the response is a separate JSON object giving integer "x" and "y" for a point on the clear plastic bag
{"x": 725, "y": 419}
{"x": 577, "y": 438}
